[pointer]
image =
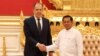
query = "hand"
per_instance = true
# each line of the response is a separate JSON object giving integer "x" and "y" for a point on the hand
{"x": 50, "y": 53}
{"x": 41, "y": 47}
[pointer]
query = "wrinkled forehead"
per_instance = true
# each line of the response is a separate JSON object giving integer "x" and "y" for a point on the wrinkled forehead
{"x": 38, "y": 6}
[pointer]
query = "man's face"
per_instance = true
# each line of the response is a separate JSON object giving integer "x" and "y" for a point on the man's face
{"x": 67, "y": 23}
{"x": 38, "y": 10}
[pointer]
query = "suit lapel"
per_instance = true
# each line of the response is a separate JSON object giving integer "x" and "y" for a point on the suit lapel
{"x": 33, "y": 23}
{"x": 43, "y": 24}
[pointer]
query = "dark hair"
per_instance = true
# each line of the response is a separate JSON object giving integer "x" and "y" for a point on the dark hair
{"x": 67, "y": 16}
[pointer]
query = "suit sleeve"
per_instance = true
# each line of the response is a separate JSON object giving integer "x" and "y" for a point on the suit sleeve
{"x": 28, "y": 36}
{"x": 49, "y": 38}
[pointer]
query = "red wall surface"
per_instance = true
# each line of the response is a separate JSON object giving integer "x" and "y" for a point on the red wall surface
{"x": 13, "y": 7}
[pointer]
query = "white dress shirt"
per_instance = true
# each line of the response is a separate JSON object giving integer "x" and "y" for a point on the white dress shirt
{"x": 69, "y": 43}
{"x": 40, "y": 22}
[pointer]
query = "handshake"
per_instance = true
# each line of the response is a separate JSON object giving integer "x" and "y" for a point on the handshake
{"x": 41, "y": 47}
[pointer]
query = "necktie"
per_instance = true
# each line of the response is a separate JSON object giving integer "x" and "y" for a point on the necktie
{"x": 39, "y": 25}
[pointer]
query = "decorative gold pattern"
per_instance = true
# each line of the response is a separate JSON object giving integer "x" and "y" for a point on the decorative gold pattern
{"x": 22, "y": 38}
{"x": 4, "y": 46}
{"x": 87, "y": 30}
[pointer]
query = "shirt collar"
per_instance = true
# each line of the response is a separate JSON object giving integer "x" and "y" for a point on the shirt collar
{"x": 36, "y": 18}
{"x": 70, "y": 29}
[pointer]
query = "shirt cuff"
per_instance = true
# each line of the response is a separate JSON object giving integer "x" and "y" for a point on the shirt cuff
{"x": 37, "y": 44}
{"x": 47, "y": 48}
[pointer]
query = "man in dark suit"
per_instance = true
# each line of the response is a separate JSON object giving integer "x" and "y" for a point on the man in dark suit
{"x": 37, "y": 32}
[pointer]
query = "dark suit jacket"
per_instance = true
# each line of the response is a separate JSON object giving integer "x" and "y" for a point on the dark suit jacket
{"x": 32, "y": 36}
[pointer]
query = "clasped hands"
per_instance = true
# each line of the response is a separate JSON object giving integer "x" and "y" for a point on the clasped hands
{"x": 42, "y": 47}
